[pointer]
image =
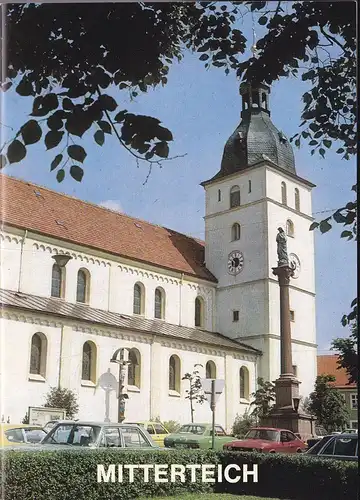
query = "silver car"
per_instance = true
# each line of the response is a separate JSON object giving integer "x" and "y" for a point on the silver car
{"x": 339, "y": 446}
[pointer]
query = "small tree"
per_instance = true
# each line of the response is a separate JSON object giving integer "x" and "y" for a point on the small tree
{"x": 264, "y": 399}
{"x": 62, "y": 398}
{"x": 348, "y": 353}
{"x": 328, "y": 405}
{"x": 242, "y": 424}
{"x": 195, "y": 392}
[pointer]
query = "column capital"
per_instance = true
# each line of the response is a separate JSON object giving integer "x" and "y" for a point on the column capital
{"x": 284, "y": 274}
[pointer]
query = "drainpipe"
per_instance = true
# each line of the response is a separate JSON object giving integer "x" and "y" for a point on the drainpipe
{"x": 61, "y": 355}
{"x": 21, "y": 258}
{"x": 109, "y": 285}
{"x": 180, "y": 296}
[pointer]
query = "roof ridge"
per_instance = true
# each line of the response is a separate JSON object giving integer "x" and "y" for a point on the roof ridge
{"x": 122, "y": 214}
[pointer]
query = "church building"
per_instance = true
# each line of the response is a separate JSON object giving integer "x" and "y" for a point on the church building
{"x": 172, "y": 300}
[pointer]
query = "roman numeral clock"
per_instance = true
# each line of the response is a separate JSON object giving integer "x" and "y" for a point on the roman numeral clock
{"x": 235, "y": 262}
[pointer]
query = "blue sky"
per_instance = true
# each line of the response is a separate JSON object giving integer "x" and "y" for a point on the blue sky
{"x": 202, "y": 108}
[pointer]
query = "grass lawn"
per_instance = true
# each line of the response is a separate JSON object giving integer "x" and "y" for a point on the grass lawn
{"x": 210, "y": 496}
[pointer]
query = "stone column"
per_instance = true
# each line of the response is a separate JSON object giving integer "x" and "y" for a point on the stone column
{"x": 284, "y": 274}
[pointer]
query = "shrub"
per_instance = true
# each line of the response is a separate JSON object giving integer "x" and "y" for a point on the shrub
{"x": 172, "y": 425}
{"x": 72, "y": 474}
{"x": 242, "y": 424}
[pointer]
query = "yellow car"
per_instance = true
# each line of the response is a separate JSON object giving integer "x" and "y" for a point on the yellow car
{"x": 156, "y": 430}
{"x": 18, "y": 434}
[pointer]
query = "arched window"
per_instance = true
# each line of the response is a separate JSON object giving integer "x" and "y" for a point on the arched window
{"x": 134, "y": 368}
{"x": 297, "y": 200}
{"x": 210, "y": 369}
{"x": 244, "y": 383}
{"x": 235, "y": 232}
{"x": 234, "y": 197}
{"x": 57, "y": 281}
{"x": 174, "y": 373}
{"x": 88, "y": 371}
{"x": 199, "y": 311}
{"x": 159, "y": 303}
{"x": 138, "y": 306}
{"x": 83, "y": 286}
{"x": 290, "y": 228}
{"x": 38, "y": 354}
{"x": 283, "y": 194}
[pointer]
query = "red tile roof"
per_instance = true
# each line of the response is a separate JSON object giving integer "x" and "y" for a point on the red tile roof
{"x": 327, "y": 365}
{"x": 44, "y": 211}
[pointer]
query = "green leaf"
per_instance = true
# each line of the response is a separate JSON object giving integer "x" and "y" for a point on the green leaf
{"x": 346, "y": 234}
{"x": 56, "y": 162}
{"x": 313, "y": 226}
{"x": 16, "y": 152}
{"x": 76, "y": 172}
{"x": 313, "y": 143}
{"x": 340, "y": 150}
{"x": 327, "y": 143}
{"x": 99, "y": 137}
{"x": 120, "y": 116}
{"x": 164, "y": 134}
{"x": 338, "y": 217}
{"x": 162, "y": 149}
{"x": 53, "y": 139}
{"x": 263, "y": 20}
{"x": 67, "y": 104}
{"x": 204, "y": 57}
{"x": 3, "y": 161}
{"x": 31, "y": 132}
{"x": 324, "y": 226}
{"x": 107, "y": 103}
{"x": 25, "y": 87}
{"x": 77, "y": 153}
{"x": 60, "y": 175}
{"x": 54, "y": 122}
{"x": 322, "y": 152}
{"x": 105, "y": 126}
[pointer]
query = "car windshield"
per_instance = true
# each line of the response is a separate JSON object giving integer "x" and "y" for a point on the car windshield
{"x": 264, "y": 434}
{"x": 34, "y": 435}
{"x": 317, "y": 446}
{"x": 194, "y": 429}
{"x": 73, "y": 434}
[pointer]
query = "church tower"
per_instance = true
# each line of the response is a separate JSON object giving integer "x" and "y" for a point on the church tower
{"x": 257, "y": 190}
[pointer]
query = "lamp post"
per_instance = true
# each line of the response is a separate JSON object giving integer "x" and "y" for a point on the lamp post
{"x": 296, "y": 402}
{"x": 123, "y": 362}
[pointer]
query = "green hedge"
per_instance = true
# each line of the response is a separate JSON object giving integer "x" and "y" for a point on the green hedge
{"x": 72, "y": 475}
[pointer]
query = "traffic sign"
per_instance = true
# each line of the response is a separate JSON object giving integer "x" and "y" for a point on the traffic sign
{"x": 207, "y": 384}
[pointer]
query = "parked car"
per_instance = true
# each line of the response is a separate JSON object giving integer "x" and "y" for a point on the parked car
{"x": 20, "y": 434}
{"x": 49, "y": 425}
{"x": 339, "y": 446}
{"x": 90, "y": 435}
{"x": 267, "y": 440}
{"x": 197, "y": 436}
{"x": 350, "y": 431}
{"x": 156, "y": 430}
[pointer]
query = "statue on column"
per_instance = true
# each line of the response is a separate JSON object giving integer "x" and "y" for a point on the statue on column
{"x": 283, "y": 258}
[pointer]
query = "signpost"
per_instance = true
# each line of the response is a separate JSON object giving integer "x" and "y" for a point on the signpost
{"x": 212, "y": 390}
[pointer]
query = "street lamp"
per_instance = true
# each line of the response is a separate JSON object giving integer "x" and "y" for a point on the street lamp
{"x": 296, "y": 402}
{"x": 123, "y": 362}
{"x": 61, "y": 259}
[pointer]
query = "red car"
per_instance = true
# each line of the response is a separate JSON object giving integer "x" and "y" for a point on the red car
{"x": 267, "y": 440}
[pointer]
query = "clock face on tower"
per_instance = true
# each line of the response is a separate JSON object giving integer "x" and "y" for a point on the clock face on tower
{"x": 295, "y": 264}
{"x": 235, "y": 262}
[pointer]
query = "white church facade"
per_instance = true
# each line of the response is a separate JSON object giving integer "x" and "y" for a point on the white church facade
{"x": 171, "y": 299}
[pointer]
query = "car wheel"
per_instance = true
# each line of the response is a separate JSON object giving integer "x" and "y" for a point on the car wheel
{"x": 298, "y": 450}
{"x": 272, "y": 451}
